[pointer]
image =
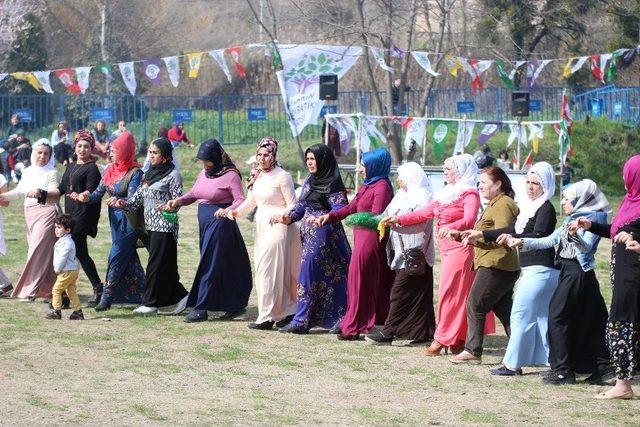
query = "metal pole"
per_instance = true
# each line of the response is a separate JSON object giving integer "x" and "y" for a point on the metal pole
{"x": 519, "y": 142}
{"x": 424, "y": 143}
{"x": 357, "y": 173}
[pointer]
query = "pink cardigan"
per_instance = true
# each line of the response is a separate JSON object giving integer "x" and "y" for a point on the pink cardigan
{"x": 459, "y": 215}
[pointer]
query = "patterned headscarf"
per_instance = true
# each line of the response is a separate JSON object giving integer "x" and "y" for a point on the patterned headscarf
{"x": 271, "y": 144}
{"x": 585, "y": 196}
{"x": 84, "y": 135}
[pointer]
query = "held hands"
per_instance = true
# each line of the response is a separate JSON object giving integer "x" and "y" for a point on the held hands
{"x": 171, "y": 205}
{"x": 513, "y": 242}
{"x": 623, "y": 237}
{"x": 581, "y": 222}
{"x": 390, "y": 221}
{"x": 469, "y": 237}
{"x": 633, "y": 245}
{"x": 220, "y": 213}
{"x": 232, "y": 214}
{"x": 322, "y": 220}
{"x": 33, "y": 193}
{"x": 114, "y": 202}
{"x": 279, "y": 219}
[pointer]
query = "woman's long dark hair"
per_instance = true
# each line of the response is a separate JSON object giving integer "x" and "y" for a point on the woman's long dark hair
{"x": 497, "y": 174}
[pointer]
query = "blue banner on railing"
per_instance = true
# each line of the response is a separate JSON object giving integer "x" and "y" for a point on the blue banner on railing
{"x": 535, "y": 105}
{"x": 182, "y": 115}
{"x": 464, "y": 107}
{"x": 256, "y": 114}
{"x": 106, "y": 114}
{"x": 25, "y": 114}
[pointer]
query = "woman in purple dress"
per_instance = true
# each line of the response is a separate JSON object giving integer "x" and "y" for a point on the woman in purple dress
{"x": 322, "y": 281}
{"x": 370, "y": 279}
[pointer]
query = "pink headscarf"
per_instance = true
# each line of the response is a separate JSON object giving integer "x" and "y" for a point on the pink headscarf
{"x": 125, "y": 158}
{"x": 629, "y": 210}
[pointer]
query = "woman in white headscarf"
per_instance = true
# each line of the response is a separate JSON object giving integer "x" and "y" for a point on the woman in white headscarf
{"x": 528, "y": 345}
{"x": 39, "y": 187}
{"x": 456, "y": 207}
{"x": 411, "y": 317}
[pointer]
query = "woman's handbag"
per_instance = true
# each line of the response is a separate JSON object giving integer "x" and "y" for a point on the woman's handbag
{"x": 415, "y": 263}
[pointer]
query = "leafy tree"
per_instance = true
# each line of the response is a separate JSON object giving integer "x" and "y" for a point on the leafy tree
{"x": 28, "y": 52}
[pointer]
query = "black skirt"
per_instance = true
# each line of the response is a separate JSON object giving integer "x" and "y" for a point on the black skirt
{"x": 163, "y": 281}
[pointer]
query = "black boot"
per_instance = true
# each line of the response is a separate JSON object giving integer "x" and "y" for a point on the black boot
{"x": 97, "y": 294}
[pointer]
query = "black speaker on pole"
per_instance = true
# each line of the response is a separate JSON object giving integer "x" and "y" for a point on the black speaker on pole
{"x": 520, "y": 104}
{"x": 328, "y": 87}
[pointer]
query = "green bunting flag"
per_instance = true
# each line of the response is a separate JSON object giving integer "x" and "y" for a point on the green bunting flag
{"x": 504, "y": 75}
{"x": 105, "y": 69}
{"x": 613, "y": 66}
{"x": 439, "y": 135}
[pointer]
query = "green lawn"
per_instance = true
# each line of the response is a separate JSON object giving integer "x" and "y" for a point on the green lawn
{"x": 119, "y": 370}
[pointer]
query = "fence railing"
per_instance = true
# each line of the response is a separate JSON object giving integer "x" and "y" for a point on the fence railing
{"x": 242, "y": 119}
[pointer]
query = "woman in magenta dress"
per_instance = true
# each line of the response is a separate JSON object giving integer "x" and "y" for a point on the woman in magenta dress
{"x": 456, "y": 207}
{"x": 369, "y": 279}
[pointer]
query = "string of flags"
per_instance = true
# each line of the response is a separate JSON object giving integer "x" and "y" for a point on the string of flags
{"x": 604, "y": 67}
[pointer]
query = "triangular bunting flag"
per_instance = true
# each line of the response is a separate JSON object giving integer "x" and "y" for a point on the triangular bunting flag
{"x": 487, "y": 132}
{"x": 82, "y": 74}
{"x": 195, "y": 59}
{"x": 440, "y": 132}
{"x": 29, "y": 78}
{"x": 536, "y": 133}
{"x": 3, "y": 75}
{"x": 44, "y": 80}
{"x": 475, "y": 69}
{"x": 453, "y": 64}
{"x": 528, "y": 161}
{"x": 518, "y": 132}
{"x": 218, "y": 56}
{"x": 151, "y": 69}
{"x": 463, "y": 138}
{"x": 596, "y": 70}
{"x": 416, "y": 131}
{"x": 66, "y": 77}
{"x": 627, "y": 58}
{"x": 105, "y": 69}
{"x": 422, "y": 58}
{"x": 533, "y": 71}
{"x": 613, "y": 66}
{"x": 502, "y": 72}
{"x": 513, "y": 72}
{"x": 579, "y": 63}
{"x": 129, "y": 76}
{"x": 396, "y": 52}
{"x": 379, "y": 58}
{"x": 235, "y": 53}
{"x": 371, "y": 137}
{"x": 173, "y": 68}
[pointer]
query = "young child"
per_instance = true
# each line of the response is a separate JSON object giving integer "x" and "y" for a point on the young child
{"x": 66, "y": 267}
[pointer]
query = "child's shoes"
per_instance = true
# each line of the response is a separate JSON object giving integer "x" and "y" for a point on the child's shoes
{"x": 53, "y": 315}
{"x": 76, "y": 315}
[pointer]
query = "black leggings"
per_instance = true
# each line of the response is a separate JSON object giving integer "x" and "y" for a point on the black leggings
{"x": 82, "y": 253}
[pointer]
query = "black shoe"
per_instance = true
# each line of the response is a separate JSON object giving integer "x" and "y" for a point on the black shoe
{"x": 196, "y": 316}
{"x": 604, "y": 376}
{"x": 377, "y": 337}
{"x": 53, "y": 315}
{"x": 77, "y": 315}
{"x": 560, "y": 378}
{"x": 97, "y": 295}
{"x": 545, "y": 373}
{"x": 284, "y": 322}
{"x": 335, "y": 330}
{"x": 343, "y": 337}
{"x": 265, "y": 326}
{"x": 66, "y": 302}
{"x": 230, "y": 315}
{"x": 292, "y": 328}
{"x": 103, "y": 306}
{"x": 503, "y": 371}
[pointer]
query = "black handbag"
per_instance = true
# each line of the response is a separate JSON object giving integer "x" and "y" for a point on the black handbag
{"x": 415, "y": 263}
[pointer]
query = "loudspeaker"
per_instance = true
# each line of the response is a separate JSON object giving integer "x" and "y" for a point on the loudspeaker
{"x": 328, "y": 87}
{"x": 520, "y": 104}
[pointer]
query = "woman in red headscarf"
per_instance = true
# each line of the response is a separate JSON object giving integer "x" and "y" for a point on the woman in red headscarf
{"x": 125, "y": 279}
{"x": 81, "y": 176}
{"x": 623, "y": 327}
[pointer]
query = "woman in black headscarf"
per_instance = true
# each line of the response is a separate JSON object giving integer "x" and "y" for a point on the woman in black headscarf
{"x": 162, "y": 182}
{"x": 223, "y": 279}
{"x": 322, "y": 281}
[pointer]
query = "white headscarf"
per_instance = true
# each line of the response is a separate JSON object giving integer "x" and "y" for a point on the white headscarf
{"x": 418, "y": 192}
{"x": 467, "y": 174}
{"x": 35, "y": 177}
{"x": 542, "y": 172}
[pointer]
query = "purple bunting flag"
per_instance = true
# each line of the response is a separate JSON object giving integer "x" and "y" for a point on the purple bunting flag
{"x": 151, "y": 69}
{"x": 488, "y": 131}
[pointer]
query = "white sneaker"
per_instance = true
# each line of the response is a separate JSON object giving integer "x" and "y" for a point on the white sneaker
{"x": 143, "y": 310}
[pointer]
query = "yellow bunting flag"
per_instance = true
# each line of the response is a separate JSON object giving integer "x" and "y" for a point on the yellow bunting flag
{"x": 195, "y": 59}
{"x": 29, "y": 78}
{"x": 453, "y": 64}
{"x": 566, "y": 71}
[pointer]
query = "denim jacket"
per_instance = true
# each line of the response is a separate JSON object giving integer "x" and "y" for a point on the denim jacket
{"x": 586, "y": 242}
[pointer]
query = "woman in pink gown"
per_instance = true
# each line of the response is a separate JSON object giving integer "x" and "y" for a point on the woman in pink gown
{"x": 369, "y": 278}
{"x": 456, "y": 207}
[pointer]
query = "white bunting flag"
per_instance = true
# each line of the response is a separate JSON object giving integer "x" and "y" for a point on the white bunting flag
{"x": 465, "y": 131}
{"x": 520, "y": 136}
{"x": 415, "y": 132}
{"x": 422, "y": 58}
{"x": 82, "y": 75}
{"x": 519, "y": 64}
{"x": 579, "y": 64}
{"x": 43, "y": 78}
{"x": 129, "y": 76}
{"x": 3, "y": 75}
{"x": 218, "y": 56}
{"x": 173, "y": 68}
{"x": 379, "y": 57}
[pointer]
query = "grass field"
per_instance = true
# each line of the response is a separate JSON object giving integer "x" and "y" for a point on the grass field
{"x": 119, "y": 370}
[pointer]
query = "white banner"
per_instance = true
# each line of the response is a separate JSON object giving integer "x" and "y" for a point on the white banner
{"x": 579, "y": 64}
{"x": 173, "y": 68}
{"x": 129, "y": 76}
{"x": 43, "y": 78}
{"x": 520, "y": 136}
{"x": 82, "y": 75}
{"x": 218, "y": 55}
{"x": 346, "y": 128}
{"x": 299, "y": 79}
{"x": 422, "y": 58}
{"x": 370, "y": 137}
{"x": 379, "y": 57}
{"x": 415, "y": 132}
{"x": 465, "y": 131}
{"x": 3, "y": 75}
